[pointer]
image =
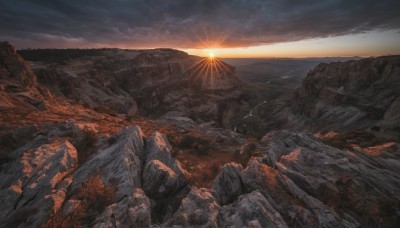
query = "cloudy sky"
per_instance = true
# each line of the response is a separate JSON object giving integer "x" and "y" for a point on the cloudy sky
{"x": 235, "y": 28}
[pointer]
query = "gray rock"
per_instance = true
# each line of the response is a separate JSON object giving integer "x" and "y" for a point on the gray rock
{"x": 35, "y": 185}
{"x": 159, "y": 181}
{"x": 199, "y": 208}
{"x": 131, "y": 211}
{"x": 119, "y": 163}
{"x": 251, "y": 210}
{"x": 228, "y": 184}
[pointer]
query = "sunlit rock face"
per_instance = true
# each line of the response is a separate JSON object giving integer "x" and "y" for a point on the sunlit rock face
{"x": 19, "y": 86}
{"x": 145, "y": 82}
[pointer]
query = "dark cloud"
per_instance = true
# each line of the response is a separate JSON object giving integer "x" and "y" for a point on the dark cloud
{"x": 187, "y": 23}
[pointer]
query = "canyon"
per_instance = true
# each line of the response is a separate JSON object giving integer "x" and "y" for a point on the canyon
{"x": 146, "y": 138}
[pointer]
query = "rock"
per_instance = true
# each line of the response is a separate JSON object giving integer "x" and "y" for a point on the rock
{"x": 199, "y": 208}
{"x": 159, "y": 181}
{"x": 158, "y": 148}
{"x": 119, "y": 163}
{"x": 251, "y": 210}
{"x": 289, "y": 200}
{"x": 228, "y": 184}
{"x": 34, "y": 186}
{"x": 323, "y": 175}
{"x": 19, "y": 87}
{"x": 131, "y": 211}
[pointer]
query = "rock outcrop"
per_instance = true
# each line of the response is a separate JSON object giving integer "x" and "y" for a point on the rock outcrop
{"x": 353, "y": 94}
{"x": 19, "y": 87}
{"x": 228, "y": 184}
{"x": 34, "y": 185}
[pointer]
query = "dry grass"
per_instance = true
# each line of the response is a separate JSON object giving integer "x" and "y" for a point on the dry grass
{"x": 201, "y": 155}
{"x": 94, "y": 197}
{"x": 86, "y": 146}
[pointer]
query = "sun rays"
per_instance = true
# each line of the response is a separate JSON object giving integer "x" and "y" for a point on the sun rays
{"x": 210, "y": 72}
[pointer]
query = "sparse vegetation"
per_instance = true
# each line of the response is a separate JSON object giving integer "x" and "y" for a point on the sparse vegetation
{"x": 105, "y": 109}
{"x": 86, "y": 145}
{"x": 94, "y": 197}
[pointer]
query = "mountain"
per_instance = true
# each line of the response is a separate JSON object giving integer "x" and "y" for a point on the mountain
{"x": 152, "y": 83}
{"x": 338, "y": 96}
{"x": 64, "y": 164}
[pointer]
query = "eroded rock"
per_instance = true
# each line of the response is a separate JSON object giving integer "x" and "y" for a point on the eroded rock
{"x": 228, "y": 184}
{"x": 34, "y": 186}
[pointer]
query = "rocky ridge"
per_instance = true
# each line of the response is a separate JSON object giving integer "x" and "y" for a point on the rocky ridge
{"x": 339, "y": 97}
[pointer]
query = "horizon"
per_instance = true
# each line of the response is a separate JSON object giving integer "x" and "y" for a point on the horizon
{"x": 228, "y": 29}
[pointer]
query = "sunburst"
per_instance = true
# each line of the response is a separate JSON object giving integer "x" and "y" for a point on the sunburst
{"x": 210, "y": 71}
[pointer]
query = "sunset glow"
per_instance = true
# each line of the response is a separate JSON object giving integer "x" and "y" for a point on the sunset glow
{"x": 373, "y": 43}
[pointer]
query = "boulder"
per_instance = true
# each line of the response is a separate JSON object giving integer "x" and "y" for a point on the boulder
{"x": 251, "y": 210}
{"x": 131, "y": 211}
{"x": 159, "y": 181}
{"x": 228, "y": 184}
{"x": 199, "y": 208}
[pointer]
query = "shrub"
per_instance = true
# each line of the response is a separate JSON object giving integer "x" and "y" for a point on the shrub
{"x": 86, "y": 146}
{"x": 198, "y": 145}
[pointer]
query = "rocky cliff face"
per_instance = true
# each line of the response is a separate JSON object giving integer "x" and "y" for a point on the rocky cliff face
{"x": 19, "y": 86}
{"x": 362, "y": 94}
{"x": 354, "y": 94}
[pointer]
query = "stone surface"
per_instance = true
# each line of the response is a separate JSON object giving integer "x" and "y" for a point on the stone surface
{"x": 34, "y": 185}
{"x": 131, "y": 211}
{"x": 159, "y": 181}
{"x": 198, "y": 208}
{"x": 119, "y": 163}
{"x": 228, "y": 184}
{"x": 251, "y": 210}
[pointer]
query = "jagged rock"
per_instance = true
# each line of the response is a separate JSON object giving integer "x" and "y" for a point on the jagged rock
{"x": 228, "y": 184}
{"x": 131, "y": 211}
{"x": 251, "y": 210}
{"x": 199, "y": 208}
{"x": 33, "y": 186}
{"x": 337, "y": 177}
{"x": 158, "y": 148}
{"x": 290, "y": 201}
{"x": 159, "y": 181}
{"x": 119, "y": 163}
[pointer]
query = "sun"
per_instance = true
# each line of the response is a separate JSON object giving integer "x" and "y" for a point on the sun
{"x": 211, "y": 55}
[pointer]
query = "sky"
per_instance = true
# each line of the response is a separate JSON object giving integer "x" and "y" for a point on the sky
{"x": 228, "y": 28}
